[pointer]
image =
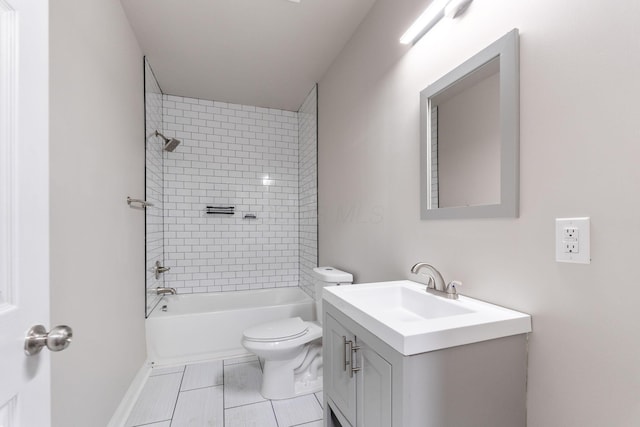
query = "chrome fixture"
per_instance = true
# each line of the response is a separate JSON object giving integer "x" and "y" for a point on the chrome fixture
{"x": 143, "y": 203}
{"x": 435, "y": 282}
{"x": 159, "y": 269}
{"x": 220, "y": 210}
{"x": 57, "y": 339}
{"x": 170, "y": 144}
{"x": 166, "y": 291}
{"x": 348, "y": 363}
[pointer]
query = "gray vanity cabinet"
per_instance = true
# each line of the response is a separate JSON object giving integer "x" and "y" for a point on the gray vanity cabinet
{"x": 373, "y": 388}
{"x": 357, "y": 380}
{"x": 476, "y": 385}
{"x": 338, "y": 383}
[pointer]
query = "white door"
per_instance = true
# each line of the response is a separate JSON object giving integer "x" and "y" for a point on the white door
{"x": 24, "y": 210}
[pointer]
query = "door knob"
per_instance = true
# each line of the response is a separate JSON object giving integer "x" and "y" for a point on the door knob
{"x": 57, "y": 339}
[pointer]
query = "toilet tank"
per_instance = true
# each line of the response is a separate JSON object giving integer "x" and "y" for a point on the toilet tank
{"x": 328, "y": 276}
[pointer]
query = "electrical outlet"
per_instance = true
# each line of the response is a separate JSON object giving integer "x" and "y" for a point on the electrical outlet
{"x": 573, "y": 240}
{"x": 571, "y": 247}
{"x": 570, "y": 233}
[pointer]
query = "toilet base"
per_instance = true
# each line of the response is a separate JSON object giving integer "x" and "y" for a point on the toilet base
{"x": 282, "y": 389}
{"x": 308, "y": 387}
{"x": 284, "y": 379}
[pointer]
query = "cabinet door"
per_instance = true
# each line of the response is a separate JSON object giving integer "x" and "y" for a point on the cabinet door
{"x": 373, "y": 389}
{"x": 339, "y": 386}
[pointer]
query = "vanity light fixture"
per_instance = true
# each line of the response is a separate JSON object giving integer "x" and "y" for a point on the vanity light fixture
{"x": 431, "y": 16}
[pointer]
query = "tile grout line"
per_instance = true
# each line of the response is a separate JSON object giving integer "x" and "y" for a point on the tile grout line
{"x": 223, "y": 385}
{"x": 166, "y": 373}
{"x": 318, "y": 400}
{"x": 151, "y": 423}
{"x": 224, "y": 410}
{"x": 202, "y": 388}
{"x": 274, "y": 412}
{"x": 173, "y": 413}
{"x": 306, "y": 423}
{"x": 242, "y": 363}
{"x": 248, "y": 404}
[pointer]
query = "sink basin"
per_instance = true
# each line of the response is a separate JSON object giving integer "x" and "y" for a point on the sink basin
{"x": 404, "y": 303}
{"x": 413, "y": 321}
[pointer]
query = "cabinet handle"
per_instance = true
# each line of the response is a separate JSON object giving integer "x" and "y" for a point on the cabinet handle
{"x": 346, "y": 360}
{"x": 349, "y": 348}
{"x": 354, "y": 348}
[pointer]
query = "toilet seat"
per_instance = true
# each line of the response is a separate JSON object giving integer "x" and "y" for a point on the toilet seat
{"x": 279, "y": 330}
{"x": 290, "y": 350}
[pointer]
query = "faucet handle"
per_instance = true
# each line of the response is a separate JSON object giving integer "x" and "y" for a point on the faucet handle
{"x": 159, "y": 269}
{"x": 451, "y": 289}
{"x": 431, "y": 282}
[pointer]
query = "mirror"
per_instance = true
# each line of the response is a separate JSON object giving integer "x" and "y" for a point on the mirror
{"x": 469, "y": 137}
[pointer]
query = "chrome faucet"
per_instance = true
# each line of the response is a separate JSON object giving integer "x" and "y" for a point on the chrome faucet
{"x": 435, "y": 284}
{"x": 166, "y": 291}
{"x": 158, "y": 269}
{"x": 435, "y": 278}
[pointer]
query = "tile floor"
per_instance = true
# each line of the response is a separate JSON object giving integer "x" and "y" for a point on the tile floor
{"x": 219, "y": 394}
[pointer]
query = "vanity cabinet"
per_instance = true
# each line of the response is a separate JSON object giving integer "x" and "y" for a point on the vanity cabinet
{"x": 373, "y": 387}
{"x": 367, "y": 383}
{"x": 338, "y": 383}
{"x": 357, "y": 379}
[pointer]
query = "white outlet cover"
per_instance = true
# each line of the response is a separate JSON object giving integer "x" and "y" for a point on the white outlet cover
{"x": 583, "y": 237}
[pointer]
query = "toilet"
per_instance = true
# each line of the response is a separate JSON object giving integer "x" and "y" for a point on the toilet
{"x": 292, "y": 348}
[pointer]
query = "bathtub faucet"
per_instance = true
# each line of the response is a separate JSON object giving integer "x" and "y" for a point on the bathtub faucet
{"x": 166, "y": 291}
{"x": 158, "y": 269}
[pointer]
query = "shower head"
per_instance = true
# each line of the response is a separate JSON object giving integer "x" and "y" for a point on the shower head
{"x": 170, "y": 144}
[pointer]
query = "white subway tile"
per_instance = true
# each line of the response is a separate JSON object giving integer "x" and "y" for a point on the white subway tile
{"x": 230, "y": 251}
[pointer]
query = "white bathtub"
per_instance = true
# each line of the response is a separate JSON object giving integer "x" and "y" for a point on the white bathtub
{"x": 206, "y": 326}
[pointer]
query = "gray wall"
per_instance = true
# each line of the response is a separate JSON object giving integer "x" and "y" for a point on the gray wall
{"x": 97, "y": 241}
{"x": 579, "y": 64}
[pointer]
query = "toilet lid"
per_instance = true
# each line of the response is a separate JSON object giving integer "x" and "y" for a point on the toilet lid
{"x": 277, "y": 330}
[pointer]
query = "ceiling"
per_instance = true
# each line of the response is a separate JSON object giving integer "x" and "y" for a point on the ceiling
{"x": 267, "y": 53}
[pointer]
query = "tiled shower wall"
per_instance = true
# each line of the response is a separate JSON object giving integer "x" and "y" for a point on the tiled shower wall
{"x": 230, "y": 155}
{"x": 154, "y": 181}
{"x": 308, "y": 188}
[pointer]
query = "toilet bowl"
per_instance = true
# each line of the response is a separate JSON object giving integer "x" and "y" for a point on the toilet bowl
{"x": 292, "y": 348}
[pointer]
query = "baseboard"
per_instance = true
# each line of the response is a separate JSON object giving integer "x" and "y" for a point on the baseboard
{"x": 125, "y": 407}
{"x": 190, "y": 359}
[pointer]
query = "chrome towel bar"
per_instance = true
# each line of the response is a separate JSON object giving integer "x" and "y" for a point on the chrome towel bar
{"x": 220, "y": 210}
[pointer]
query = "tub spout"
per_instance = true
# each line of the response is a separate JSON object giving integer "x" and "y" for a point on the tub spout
{"x": 166, "y": 291}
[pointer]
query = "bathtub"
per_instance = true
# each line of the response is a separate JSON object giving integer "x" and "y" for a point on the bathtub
{"x": 207, "y": 326}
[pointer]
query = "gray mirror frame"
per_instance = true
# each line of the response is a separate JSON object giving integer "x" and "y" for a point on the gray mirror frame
{"x": 507, "y": 49}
